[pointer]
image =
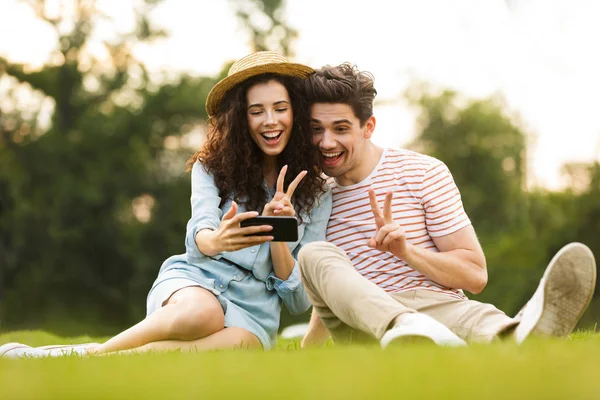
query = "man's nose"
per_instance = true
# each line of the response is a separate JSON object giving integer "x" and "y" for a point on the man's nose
{"x": 327, "y": 140}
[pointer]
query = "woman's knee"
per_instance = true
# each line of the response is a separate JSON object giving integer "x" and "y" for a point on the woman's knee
{"x": 194, "y": 317}
{"x": 193, "y": 321}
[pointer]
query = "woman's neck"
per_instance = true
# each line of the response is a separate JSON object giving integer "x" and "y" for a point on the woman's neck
{"x": 270, "y": 171}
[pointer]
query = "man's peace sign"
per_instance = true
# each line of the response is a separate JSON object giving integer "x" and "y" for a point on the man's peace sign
{"x": 389, "y": 236}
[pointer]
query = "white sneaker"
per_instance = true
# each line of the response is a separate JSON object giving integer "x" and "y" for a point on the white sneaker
{"x": 564, "y": 293}
{"x": 18, "y": 350}
{"x": 418, "y": 325}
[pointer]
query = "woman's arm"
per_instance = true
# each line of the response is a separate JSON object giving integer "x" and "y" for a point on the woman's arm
{"x": 209, "y": 233}
{"x": 281, "y": 205}
{"x": 291, "y": 290}
{"x": 283, "y": 262}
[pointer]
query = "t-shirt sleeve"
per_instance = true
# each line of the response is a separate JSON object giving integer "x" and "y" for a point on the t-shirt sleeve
{"x": 444, "y": 212}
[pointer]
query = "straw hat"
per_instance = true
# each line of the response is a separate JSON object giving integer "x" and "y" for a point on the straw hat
{"x": 254, "y": 64}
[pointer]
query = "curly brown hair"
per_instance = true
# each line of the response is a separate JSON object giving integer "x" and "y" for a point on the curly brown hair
{"x": 236, "y": 162}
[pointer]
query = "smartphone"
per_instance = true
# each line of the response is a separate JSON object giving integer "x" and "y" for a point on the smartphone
{"x": 285, "y": 229}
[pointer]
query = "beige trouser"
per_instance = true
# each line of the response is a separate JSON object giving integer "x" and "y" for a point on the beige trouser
{"x": 355, "y": 309}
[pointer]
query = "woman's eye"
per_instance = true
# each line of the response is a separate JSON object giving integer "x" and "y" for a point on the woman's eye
{"x": 281, "y": 109}
{"x": 255, "y": 112}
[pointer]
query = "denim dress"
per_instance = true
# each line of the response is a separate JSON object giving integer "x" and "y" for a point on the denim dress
{"x": 243, "y": 281}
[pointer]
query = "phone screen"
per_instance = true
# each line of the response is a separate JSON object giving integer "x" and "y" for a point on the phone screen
{"x": 285, "y": 229}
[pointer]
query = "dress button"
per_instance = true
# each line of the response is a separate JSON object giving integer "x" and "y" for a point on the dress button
{"x": 252, "y": 251}
{"x": 221, "y": 285}
{"x": 235, "y": 277}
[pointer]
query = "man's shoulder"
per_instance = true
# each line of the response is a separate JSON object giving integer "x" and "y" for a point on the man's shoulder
{"x": 405, "y": 156}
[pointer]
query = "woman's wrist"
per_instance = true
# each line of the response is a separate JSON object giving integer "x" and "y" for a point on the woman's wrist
{"x": 206, "y": 243}
{"x": 283, "y": 261}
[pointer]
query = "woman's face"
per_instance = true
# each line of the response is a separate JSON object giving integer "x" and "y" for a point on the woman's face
{"x": 270, "y": 116}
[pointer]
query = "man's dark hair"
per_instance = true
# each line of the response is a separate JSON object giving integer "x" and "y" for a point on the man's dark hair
{"x": 343, "y": 84}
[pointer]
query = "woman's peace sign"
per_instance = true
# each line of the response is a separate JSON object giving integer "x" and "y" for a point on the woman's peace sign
{"x": 281, "y": 204}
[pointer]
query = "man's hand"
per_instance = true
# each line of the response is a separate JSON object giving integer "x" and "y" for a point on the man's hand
{"x": 281, "y": 204}
{"x": 389, "y": 236}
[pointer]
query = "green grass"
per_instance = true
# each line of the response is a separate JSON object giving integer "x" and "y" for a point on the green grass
{"x": 539, "y": 369}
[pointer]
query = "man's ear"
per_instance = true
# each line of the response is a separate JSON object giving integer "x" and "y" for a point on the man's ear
{"x": 369, "y": 127}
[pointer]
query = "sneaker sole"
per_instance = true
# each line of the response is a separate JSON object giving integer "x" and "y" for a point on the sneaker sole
{"x": 570, "y": 284}
{"x": 5, "y": 348}
{"x": 408, "y": 340}
{"x": 428, "y": 330}
{"x": 67, "y": 346}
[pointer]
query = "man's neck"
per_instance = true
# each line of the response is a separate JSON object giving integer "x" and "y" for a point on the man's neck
{"x": 368, "y": 161}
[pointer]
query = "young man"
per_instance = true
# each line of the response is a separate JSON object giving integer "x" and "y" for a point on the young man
{"x": 401, "y": 248}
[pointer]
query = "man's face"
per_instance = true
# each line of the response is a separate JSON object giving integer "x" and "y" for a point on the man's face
{"x": 340, "y": 138}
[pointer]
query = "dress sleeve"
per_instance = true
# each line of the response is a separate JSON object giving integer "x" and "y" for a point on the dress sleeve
{"x": 206, "y": 213}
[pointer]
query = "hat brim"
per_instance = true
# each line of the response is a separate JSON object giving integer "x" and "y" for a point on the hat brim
{"x": 215, "y": 96}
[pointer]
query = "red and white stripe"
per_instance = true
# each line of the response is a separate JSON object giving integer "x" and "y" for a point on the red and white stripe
{"x": 426, "y": 204}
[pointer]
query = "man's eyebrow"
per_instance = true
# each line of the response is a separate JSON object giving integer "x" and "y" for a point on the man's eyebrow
{"x": 336, "y": 122}
{"x": 277, "y": 103}
{"x": 342, "y": 121}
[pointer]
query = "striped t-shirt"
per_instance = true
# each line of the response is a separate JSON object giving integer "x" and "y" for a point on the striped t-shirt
{"x": 426, "y": 204}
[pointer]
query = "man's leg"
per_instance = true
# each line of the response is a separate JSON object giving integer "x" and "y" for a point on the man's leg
{"x": 349, "y": 305}
{"x": 469, "y": 319}
{"x": 563, "y": 294}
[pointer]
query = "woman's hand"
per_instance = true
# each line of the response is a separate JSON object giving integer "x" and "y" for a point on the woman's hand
{"x": 230, "y": 236}
{"x": 281, "y": 204}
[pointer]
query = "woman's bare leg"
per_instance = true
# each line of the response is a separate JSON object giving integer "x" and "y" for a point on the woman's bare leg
{"x": 190, "y": 313}
{"x": 227, "y": 338}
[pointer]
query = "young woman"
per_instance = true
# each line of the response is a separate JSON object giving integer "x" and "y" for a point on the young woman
{"x": 226, "y": 290}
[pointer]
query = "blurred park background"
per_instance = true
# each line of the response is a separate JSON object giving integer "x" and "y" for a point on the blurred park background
{"x": 101, "y": 103}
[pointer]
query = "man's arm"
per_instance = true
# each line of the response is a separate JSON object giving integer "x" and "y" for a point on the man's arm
{"x": 460, "y": 264}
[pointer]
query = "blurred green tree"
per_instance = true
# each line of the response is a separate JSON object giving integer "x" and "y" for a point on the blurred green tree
{"x": 91, "y": 201}
{"x": 520, "y": 230}
{"x": 484, "y": 147}
{"x": 265, "y": 21}
{"x": 92, "y": 182}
